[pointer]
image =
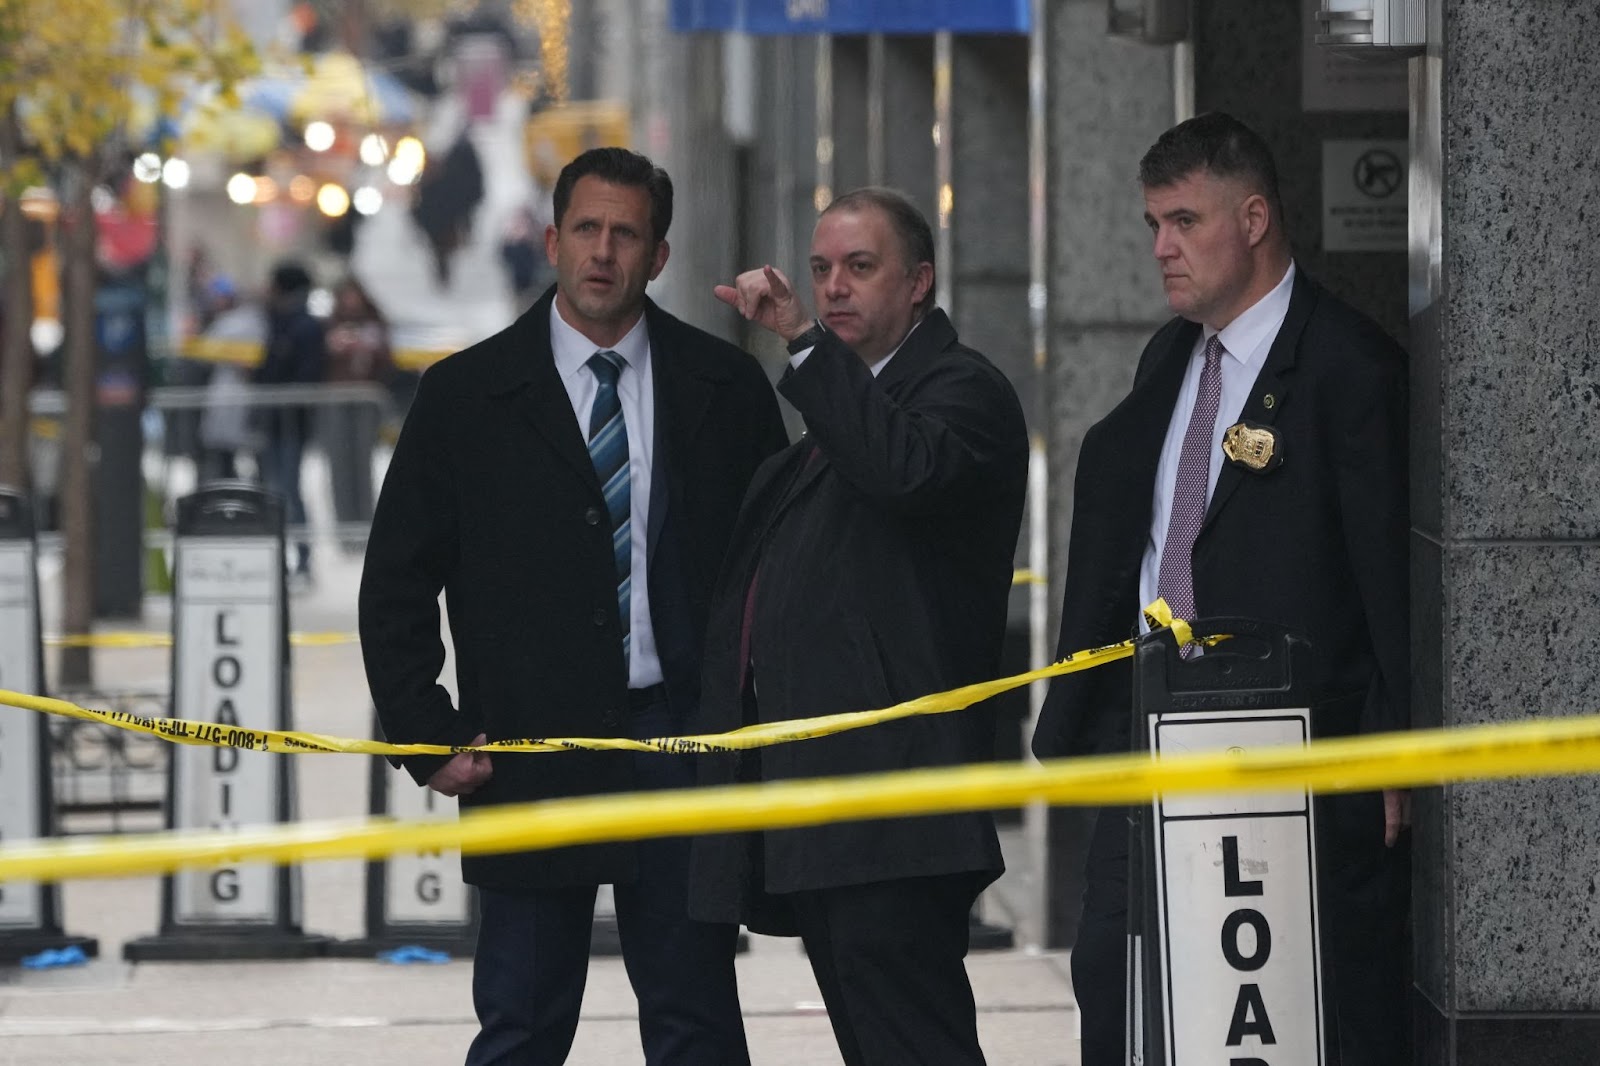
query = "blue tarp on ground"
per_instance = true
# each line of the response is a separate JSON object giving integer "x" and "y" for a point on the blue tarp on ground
{"x": 852, "y": 16}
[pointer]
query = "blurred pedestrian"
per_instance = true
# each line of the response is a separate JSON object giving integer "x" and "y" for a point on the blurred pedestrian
{"x": 296, "y": 354}
{"x": 522, "y": 252}
{"x": 236, "y": 328}
{"x": 358, "y": 353}
{"x": 210, "y": 294}
{"x": 446, "y": 198}
{"x": 872, "y": 564}
{"x": 570, "y": 484}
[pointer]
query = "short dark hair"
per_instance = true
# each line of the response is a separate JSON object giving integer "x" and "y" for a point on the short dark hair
{"x": 290, "y": 277}
{"x": 619, "y": 166}
{"x": 910, "y": 226}
{"x": 1220, "y": 145}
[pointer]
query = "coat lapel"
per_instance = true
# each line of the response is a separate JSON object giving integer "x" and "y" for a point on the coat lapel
{"x": 527, "y": 374}
{"x": 1271, "y": 387}
{"x": 683, "y": 395}
{"x": 1141, "y": 421}
{"x": 1137, "y": 429}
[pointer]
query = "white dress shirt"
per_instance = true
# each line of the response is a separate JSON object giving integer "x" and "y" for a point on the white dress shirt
{"x": 1246, "y": 340}
{"x": 636, "y": 392}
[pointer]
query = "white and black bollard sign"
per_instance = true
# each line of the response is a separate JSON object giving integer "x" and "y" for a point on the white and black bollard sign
{"x": 230, "y": 667}
{"x": 1226, "y": 968}
{"x": 413, "y": 898}
{"x": 28, "y": 909}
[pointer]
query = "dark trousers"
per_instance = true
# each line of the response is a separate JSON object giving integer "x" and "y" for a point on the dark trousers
{"x": 1363, "y": 894}
{"x": 888, "y": 957}
{"x": 349, "y": 436}
{"x": 533, "y": 954}
{"x": 280, "y": 473}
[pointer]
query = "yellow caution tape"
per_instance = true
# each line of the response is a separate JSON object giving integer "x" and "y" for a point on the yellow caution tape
{"x": 765, "y": 734}
{"x": 1028, "y": 577}
{"x": 249, "y": 353}
{"x": 419, "y": 358}
{"x": 1394, "y": 760}
{"x": 216, "y": 350}
{"x": 164, "y": 640}
{"x": 323, "y": 640}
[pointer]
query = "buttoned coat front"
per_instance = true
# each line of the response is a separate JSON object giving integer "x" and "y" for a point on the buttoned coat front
{"x": 492, "y": 498}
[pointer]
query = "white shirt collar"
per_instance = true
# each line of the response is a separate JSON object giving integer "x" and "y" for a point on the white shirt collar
{"x": 572, "y": 349}
{"x": 1246, "y": 337}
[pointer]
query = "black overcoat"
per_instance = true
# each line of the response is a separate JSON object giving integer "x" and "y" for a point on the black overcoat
{"x": 492, "y": 498}
{"x": 882, "y": 545}
{"x": 1318, "y": 544}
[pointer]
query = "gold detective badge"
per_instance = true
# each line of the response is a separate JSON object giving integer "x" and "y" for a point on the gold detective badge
{"x": 1252, "y": 446}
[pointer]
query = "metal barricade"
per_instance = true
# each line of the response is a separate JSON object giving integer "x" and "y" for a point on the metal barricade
{"x": 109, "y": 780}
{"x": 338, "y": 455}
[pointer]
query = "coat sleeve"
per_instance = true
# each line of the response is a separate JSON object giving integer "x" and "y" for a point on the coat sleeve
{"x": 1370, "y": 437}
{"x": 411, "y": 555}
{"x": 928, "y": 452}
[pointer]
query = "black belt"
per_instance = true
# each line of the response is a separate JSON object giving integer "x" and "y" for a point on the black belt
{"x": 640, "y": 698}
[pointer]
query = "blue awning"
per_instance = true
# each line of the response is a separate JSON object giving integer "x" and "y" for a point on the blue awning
{"x": 851, "y": 16}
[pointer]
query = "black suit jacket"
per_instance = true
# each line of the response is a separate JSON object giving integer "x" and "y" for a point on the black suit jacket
{"x": 491, "y": 496}
{"x": 884, "y": 566}
{"x": 1317, "y": 544}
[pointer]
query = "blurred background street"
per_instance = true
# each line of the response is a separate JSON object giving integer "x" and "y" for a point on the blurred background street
{"x": 175, "y": 189}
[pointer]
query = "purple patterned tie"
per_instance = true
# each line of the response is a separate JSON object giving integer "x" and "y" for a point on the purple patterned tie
{"x": 1190, "y": 489}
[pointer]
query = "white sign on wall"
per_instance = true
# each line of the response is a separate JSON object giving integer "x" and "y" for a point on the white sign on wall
{"x": 1237, "y": 904}
{"x": 421, "y": 887}
{"x": 21, "y": 902}
{"x": 1365, "y": 201}
{"x": 229, "y": 671}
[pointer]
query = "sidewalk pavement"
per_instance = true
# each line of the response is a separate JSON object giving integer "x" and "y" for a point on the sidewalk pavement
{"x": 355, "y": 1011}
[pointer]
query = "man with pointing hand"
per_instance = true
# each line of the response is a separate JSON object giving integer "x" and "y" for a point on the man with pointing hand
{"x": 871, "y": 564}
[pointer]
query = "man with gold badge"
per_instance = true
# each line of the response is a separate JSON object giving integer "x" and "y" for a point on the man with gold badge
{"x": 1257, "y": 468}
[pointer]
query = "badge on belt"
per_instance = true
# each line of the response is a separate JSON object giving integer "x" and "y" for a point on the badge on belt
{"x": 1257, "y": 448}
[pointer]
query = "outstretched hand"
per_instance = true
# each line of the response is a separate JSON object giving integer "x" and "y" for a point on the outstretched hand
{"x": 766, "y": 298}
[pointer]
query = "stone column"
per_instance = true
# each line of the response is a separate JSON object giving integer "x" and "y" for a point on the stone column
{"x": 781, "y": 181}
{"x": 681, "y": 128}
{"x": 905, "y": 85}
{"x": 1107, "y": 100}
{"x": 989, "y": 201}
{"x": 1506, "y": 520}
{"x": 848, "y": 134}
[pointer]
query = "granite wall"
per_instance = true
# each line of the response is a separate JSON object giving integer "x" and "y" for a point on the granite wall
{"x": 1506, "y": 538}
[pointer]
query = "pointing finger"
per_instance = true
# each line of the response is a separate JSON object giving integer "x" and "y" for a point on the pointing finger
{"x": 777, "y": 283}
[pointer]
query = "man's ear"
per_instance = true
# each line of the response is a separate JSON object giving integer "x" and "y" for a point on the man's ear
{"x": 921, "y": 282}
{"x": 663, "y": 252}
{"x": 1257, "y": 217}
{"x": 552, "y": 241}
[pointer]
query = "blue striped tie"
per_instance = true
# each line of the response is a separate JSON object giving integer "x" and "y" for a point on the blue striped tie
{"x": 608, "y": 450}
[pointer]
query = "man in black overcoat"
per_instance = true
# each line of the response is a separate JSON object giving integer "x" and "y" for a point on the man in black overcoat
{"x": 1306, "y": 529}
{"x": 571, "y": 484}
{"x": 871, "y": 564}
